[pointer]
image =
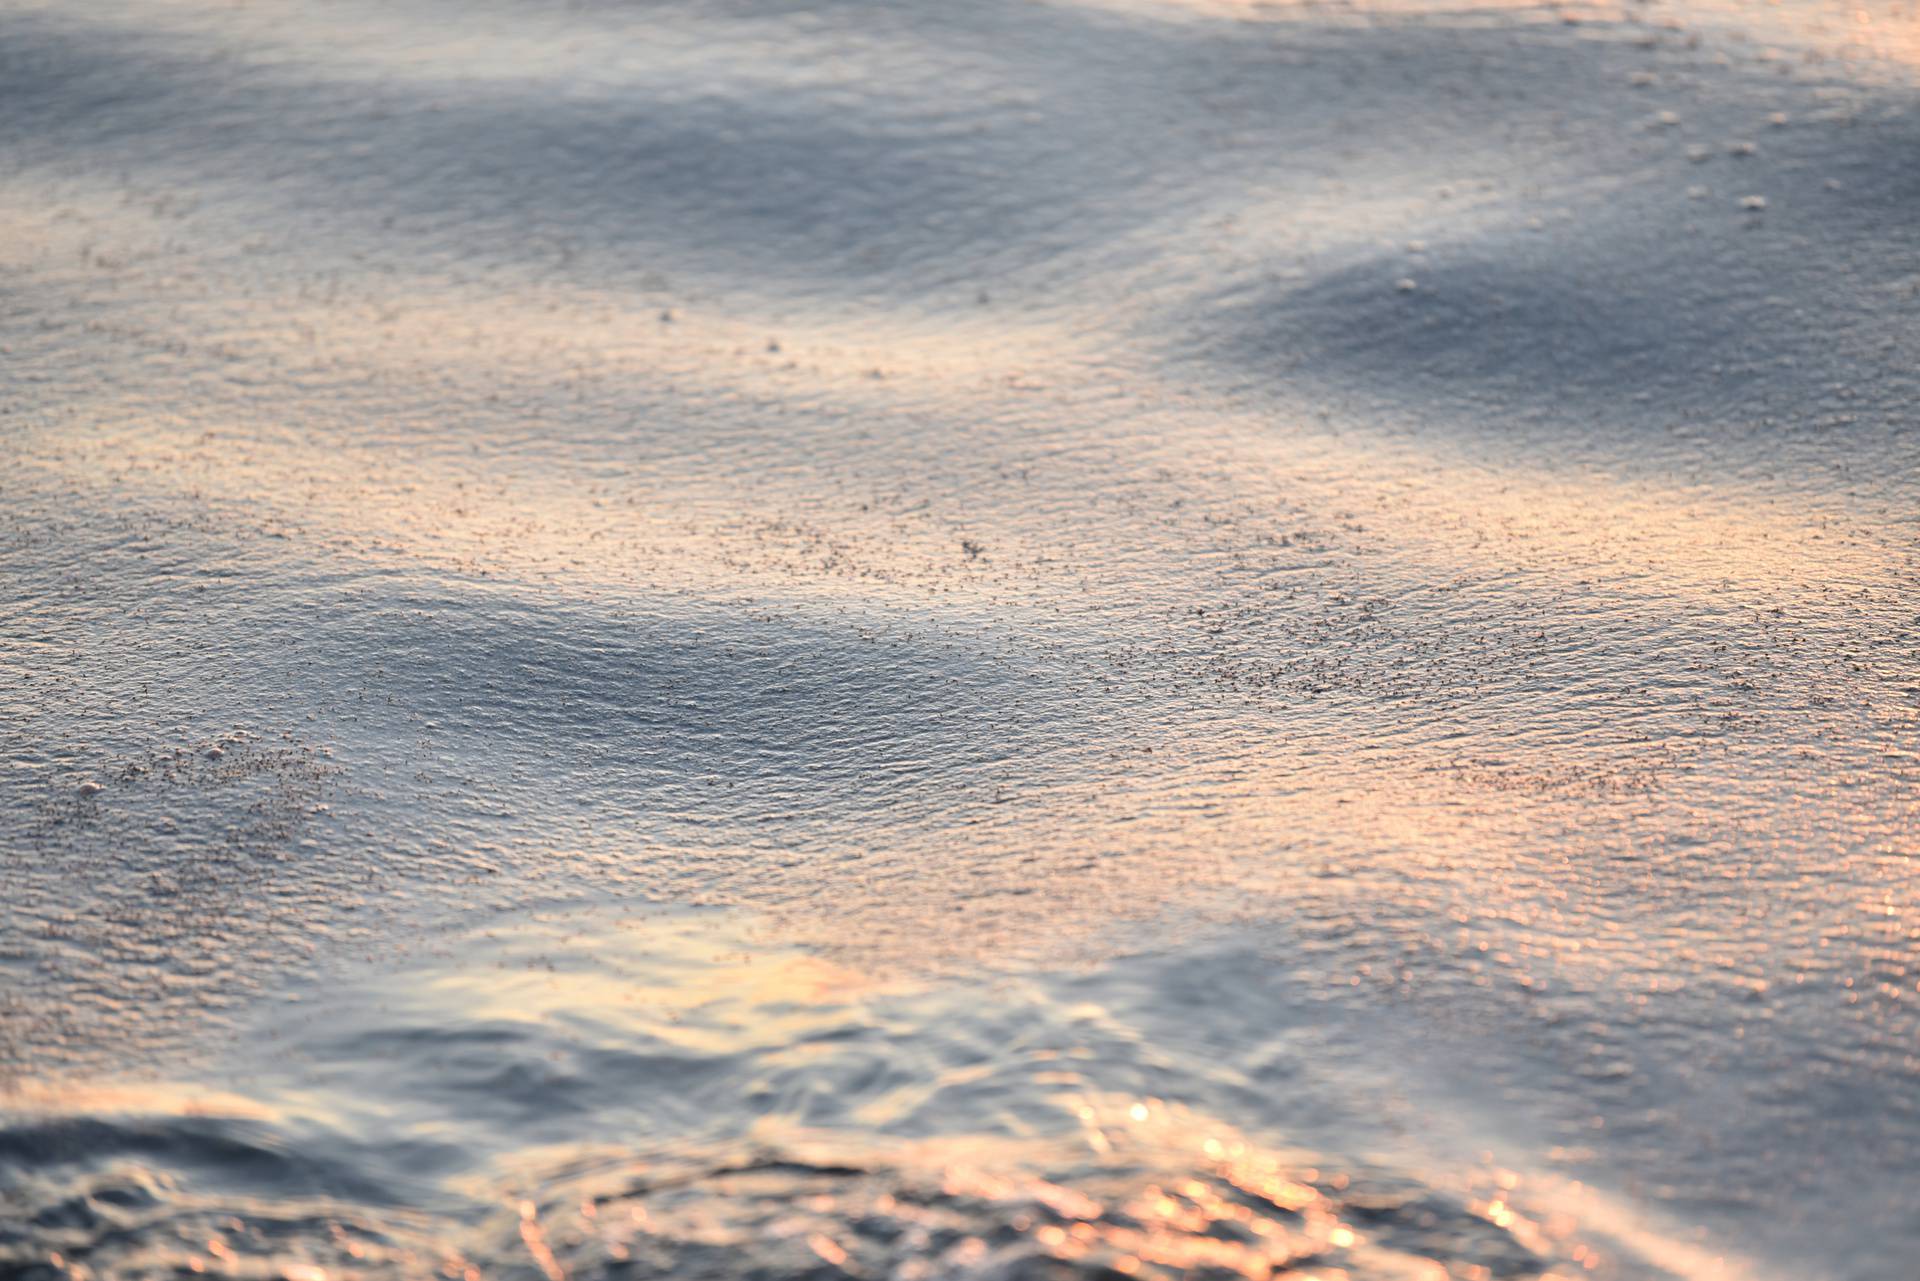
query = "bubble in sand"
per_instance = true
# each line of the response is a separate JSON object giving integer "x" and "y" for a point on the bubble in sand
{"x": 1406, "y": 284}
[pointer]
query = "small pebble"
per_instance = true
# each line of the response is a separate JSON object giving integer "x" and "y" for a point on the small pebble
{"x": 89, "y": 788}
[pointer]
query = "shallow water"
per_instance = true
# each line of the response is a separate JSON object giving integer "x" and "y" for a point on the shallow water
{"x": 1003, "y": 639}
{"x": 571, "y": 1091}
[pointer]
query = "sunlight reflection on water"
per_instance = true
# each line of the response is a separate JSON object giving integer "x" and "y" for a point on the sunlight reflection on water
{"x": 895, "y": 1130}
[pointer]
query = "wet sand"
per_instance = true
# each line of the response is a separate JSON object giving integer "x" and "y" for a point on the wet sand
{"x": 1001, "y": 639}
